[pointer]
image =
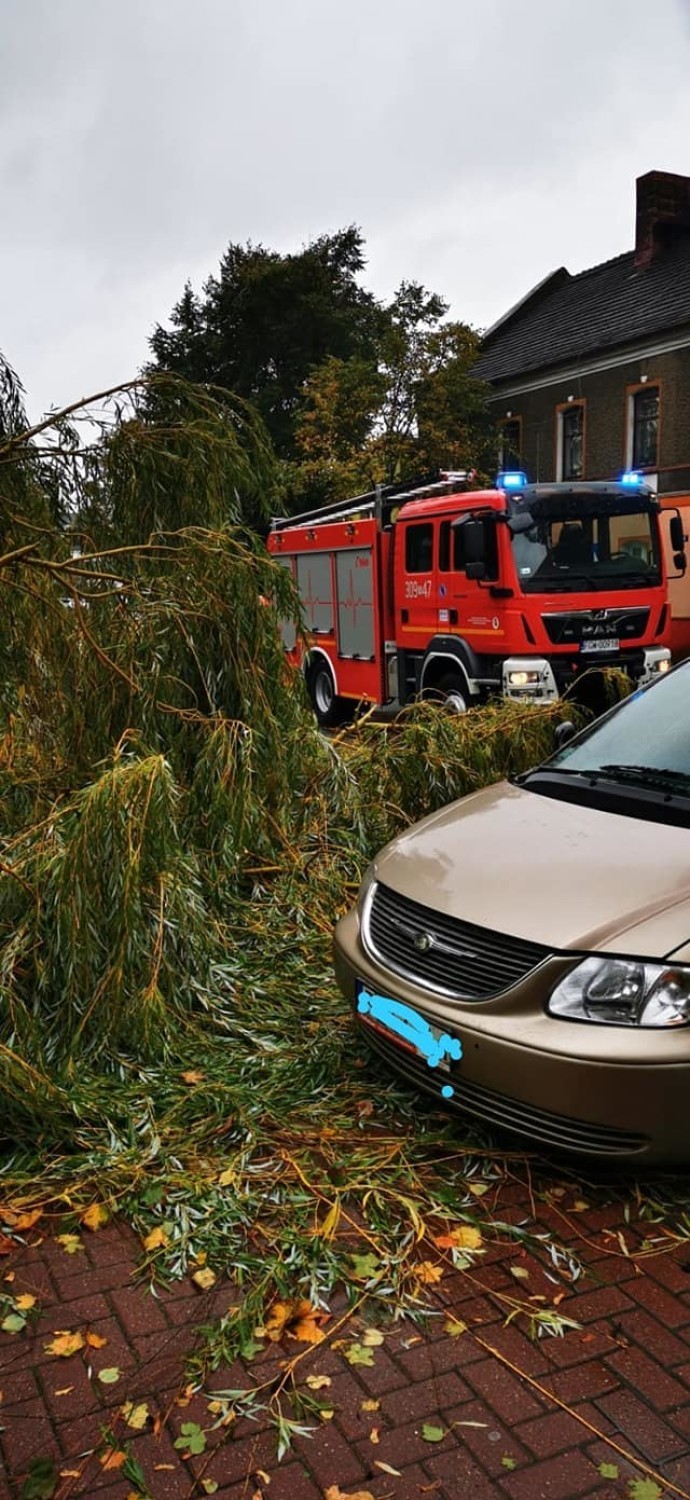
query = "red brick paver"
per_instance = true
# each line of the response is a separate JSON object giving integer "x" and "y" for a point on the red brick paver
{"x": 505, "y": 1414}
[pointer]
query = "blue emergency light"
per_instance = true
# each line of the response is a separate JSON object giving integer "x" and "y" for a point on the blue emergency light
{"x": 633, "y": 478}
{"x": 511, "y": 479}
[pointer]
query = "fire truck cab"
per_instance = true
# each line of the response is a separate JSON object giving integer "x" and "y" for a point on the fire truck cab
{"x": 456, "y": 594}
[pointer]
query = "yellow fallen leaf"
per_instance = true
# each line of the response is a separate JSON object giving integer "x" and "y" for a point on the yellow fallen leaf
{"x": 334, "y": 1492}
{"x": 374, "y": 1435}
{"x": 370, "y": 1405}
{"x": 71, "y": 1243}
{"x": 520, "y": 1273}
{"x": 204, "y": 1278}
{"x": 113, "y": 1458}
{"x": 95, "y": 1340}
{"x": 371, "y": 1338}
{"x": 318, "y": 1382}
{"x": 24, "y": 1301}
{"x": 21, "y": 1221}
{"x": 228, "y": 1177}
{"x": 308, "y": 1330}
{"x": 65, "y": 1343}
{"x": 70, "y": 1473}
{"x": 387, "y": 1468}
{"x": 428, "y": 1273}
{"x": 326, "y": 1414}
{"x": 157, "y": 1239}
{"x": 579, "y": 1206}
{"x": 95, "y": 1216}
{"x": 454, "y": 1326}
{"x": 299, "y": 1319}
{"x": 192, "y": 1076}
{"x": 136, "y": 1416}
{"x": 66, "y": 1391}
{"x": 463, "y": 1237}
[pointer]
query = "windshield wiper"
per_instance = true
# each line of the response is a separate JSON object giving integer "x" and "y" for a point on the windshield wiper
{"x": 646, "y": 776}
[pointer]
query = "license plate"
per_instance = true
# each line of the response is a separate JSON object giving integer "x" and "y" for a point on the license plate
{"x": 407, "y": 1028}
{"x": 609, "y": 643}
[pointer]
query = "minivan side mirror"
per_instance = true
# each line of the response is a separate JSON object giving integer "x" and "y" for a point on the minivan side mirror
{"x": 563, "y": 732}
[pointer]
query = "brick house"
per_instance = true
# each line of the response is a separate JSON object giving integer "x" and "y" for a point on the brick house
{"x": 591, "y": 373}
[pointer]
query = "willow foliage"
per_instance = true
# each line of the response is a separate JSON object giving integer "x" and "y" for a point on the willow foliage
{"x": 177, "y": 837}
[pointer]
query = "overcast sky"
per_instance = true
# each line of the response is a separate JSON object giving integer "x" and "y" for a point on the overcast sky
{"x": 478, "y": 143}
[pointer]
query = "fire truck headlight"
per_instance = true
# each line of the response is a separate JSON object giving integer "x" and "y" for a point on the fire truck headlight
{"x": 664, "y": 665}
{"x": 623, "y": 992}
{"x": 522, "y": 679}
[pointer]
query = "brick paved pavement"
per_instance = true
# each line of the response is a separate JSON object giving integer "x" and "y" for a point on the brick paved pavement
{"x": 623, "y": 1376}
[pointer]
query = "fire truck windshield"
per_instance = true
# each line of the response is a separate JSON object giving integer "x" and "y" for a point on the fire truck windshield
{"x": 596, "y": 550}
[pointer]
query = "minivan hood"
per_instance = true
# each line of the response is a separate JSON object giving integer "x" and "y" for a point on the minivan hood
{"x": 549, "y": 871}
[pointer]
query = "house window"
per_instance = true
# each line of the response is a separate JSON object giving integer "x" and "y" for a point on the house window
{"x": 510, "y": 444}
{"x": 570, "y": 441}
{"x": 644, "y": 423}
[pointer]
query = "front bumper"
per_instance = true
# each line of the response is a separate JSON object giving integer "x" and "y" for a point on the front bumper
{"x": 542, "y": 679}
{"x": 518, "y": 1070}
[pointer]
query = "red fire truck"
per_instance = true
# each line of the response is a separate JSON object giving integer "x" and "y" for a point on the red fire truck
{"x": 447, "y": 592}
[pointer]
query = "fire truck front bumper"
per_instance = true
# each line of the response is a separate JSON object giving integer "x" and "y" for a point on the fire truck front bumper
{"x": 538, "y": 679}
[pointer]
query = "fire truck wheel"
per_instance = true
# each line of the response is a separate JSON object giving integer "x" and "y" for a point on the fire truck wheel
{"x": 453, "y": 693}
{"x": 324, "y": 702}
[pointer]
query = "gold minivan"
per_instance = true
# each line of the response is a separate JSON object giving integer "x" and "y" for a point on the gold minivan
{"x": 523, "y": 955}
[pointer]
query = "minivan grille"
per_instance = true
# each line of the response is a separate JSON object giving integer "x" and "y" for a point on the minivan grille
{"x": 444, "y": 954}
{"x": 511, "y": 1114}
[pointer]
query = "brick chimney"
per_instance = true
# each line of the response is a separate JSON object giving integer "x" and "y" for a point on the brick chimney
{"x": 663, "y": 208}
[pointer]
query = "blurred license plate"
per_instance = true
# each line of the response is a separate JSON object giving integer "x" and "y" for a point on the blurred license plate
{"x": 407, "y": 1028}
{"x": 610, "y": 643}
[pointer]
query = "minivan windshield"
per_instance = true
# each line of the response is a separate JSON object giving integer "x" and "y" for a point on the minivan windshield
{"x": 646, "y": 740}
{"x": 593, "y": 550}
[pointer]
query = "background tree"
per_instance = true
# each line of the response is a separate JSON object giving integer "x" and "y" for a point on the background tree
{"x": 266, "y": 321}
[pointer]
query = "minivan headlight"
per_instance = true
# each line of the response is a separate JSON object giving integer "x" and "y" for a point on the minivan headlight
{"x": 624, "y": 992}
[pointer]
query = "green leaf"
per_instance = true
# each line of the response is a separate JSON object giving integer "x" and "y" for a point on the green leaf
{"x": 357, "y": 1354}
{"x": 433, "y": 1434}
{"x": 109, "y": 1376}
{"x": 192, "y": 1438}
{"x": 608, "y": 1471}
{"x": 508, "y": 1462}
{"x": 644, "y": 1489}
{"x": 41, "y": 1480}
{"x": 133, "y": 1471}
{"x": 13, "y": 1323}
{"x": 365, "y": 1266}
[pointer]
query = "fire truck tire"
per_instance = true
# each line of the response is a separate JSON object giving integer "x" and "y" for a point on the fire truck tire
{"x": 327, "y": 706}
{"x": 453, "y": 692}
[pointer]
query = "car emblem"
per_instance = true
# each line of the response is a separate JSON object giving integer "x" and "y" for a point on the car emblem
{"x": 423, "y": 941}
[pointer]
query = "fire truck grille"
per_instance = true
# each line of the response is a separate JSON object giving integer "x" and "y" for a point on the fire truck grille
{"x": 572, "y": 627}
{"x": 453, "y": 958}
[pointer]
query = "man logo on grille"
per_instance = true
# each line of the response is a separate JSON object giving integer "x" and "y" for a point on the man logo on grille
{"x": 423, "y": 941}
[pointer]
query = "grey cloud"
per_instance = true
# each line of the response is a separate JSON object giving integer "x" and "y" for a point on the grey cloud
{"x": 478, "y": 143}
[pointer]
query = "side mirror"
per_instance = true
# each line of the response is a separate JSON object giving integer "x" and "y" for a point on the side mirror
{"x": 680, "y": 561}
{"x": 474, "y": 542}
{"x": 676, "y": 534}
{"x": 563, "y": 732}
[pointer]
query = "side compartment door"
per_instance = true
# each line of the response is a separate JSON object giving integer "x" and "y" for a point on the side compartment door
{"x": 355, "y": 602}
{"x": 315, "y": 584}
